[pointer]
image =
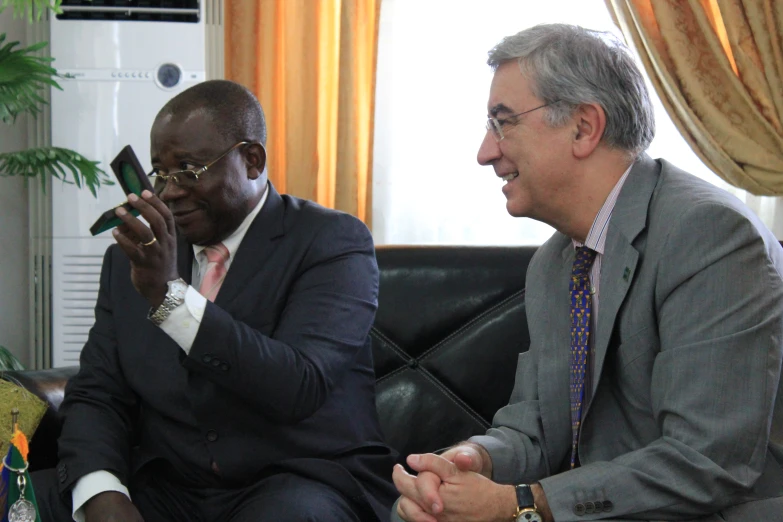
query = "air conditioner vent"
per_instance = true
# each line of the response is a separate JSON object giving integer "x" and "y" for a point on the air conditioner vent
{"x": 131, "y": 10}
{"x": 79, "y": 279}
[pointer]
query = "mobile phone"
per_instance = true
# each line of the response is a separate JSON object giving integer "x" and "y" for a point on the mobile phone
{"x": 132, "y": 179}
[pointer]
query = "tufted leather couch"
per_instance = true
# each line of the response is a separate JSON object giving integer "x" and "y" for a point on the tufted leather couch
{"x": 449, "y": 328}
{"x": 447, "y": 335}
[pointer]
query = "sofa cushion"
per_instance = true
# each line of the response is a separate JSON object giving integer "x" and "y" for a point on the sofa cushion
{"x": 447, "y": 335}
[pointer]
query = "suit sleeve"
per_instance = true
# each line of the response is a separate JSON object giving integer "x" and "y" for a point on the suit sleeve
{"x": 515, "y": 441}
{"x": 719, "y": 305}
{"x": 99, "y": 407}
{"x": 324, "y": 324}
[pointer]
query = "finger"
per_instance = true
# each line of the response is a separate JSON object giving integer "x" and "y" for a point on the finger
{"x": 135, "y": 227}
{"x": 468, "y": 461}
{"x": 124, "y": 230}
{"x": 434, "y": 463}
{"x": 422, "y": 489}
{"x": 428, "y": 485}
{"x": 466, "y": 456}
{"x": 151, "y": 214}
{"x": 162, "y": 209}
{"x": 128, "y": 245}
{"x": 404, "y": 481}
{"x": 409, "y": 511}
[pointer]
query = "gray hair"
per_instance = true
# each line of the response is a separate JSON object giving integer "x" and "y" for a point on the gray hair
{"x": 576, "y": 66}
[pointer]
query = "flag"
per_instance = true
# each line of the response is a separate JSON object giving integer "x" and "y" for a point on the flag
{"x": 15, "y": 502}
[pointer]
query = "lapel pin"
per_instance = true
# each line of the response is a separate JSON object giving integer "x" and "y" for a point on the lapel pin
{"x": 626, "y": 273}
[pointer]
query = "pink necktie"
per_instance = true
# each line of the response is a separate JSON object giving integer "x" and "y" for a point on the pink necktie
{"x": 217, "y": 255}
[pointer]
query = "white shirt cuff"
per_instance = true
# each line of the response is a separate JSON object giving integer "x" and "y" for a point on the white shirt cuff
{"x": 183, "y": 323}
{"x": 90, "y": 485}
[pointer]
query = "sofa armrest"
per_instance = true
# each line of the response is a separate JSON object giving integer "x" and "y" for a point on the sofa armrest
{"x": 49, "y": 386}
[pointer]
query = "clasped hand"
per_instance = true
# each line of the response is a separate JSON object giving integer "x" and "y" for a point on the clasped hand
{"x": 152, "y": 250}
{"x": 450, "y": 488}
{"x": 111, "y": 506}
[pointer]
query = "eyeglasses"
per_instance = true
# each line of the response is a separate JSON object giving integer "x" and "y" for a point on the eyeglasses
{"x": 185, "y": 178}
{"x": 495, "y": 125}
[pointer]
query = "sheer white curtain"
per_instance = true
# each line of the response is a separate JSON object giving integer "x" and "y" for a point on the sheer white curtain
{"x": 432, "y": 89}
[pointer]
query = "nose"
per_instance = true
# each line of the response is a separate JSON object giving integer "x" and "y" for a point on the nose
{"x": 171, "y": 191}
{"x": 489, "y": 150}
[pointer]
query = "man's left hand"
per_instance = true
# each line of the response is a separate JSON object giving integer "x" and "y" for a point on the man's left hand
{"x": 467, "y": 496}
{"x": 152, "y": 250}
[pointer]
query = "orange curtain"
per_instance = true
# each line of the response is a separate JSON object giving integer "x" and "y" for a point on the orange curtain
{"x": 312, "y": 65}
{"x": 717, "y": 65}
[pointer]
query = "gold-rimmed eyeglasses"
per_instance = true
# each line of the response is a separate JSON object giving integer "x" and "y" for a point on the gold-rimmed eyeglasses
{"x": 495, "y": 125}
{"x": 186, "y": 178}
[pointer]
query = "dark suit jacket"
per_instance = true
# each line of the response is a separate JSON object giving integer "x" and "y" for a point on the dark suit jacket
{"x": 686, "y": 416}
{"x": 280, "y": 375}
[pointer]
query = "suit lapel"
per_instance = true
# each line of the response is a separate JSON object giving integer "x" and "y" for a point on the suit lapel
{"x": 617, "y": 272}
{"x": 628, "y": 220}
{"x": 254, "y": 250}
{"x": 185, "y": 259}
{"x": 554, "y": 357}
{"x": 621, "y": 257}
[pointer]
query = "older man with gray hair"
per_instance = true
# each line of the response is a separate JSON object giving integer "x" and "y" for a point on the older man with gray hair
{"x": 650, "y": 388}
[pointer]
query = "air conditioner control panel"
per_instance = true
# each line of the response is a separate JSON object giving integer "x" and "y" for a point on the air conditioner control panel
{"x": 166, "y": 75}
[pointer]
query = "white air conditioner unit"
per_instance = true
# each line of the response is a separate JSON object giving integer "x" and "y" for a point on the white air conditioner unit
{"x": 122, "y": 60}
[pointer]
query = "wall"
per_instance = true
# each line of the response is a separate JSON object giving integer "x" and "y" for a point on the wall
{"x": 14, "y": 279}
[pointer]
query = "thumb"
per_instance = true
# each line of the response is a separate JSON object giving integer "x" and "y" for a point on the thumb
{"x": 468, "y": 460}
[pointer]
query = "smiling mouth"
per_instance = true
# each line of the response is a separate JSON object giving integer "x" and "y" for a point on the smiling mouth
{"x": 183, "y": 213}
{"x": 509, "y": 177}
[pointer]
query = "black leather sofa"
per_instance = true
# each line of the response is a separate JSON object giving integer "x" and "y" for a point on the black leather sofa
{"x": 449, "y": 328}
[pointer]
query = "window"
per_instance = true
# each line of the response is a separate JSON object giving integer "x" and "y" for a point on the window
{"x": 432, "y": 89}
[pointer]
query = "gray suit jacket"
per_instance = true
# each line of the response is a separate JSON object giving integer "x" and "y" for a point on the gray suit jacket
{"x": 683, "y": 422}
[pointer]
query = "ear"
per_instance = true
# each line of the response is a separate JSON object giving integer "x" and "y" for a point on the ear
{"x": 255, "y": 158}
{"x": 590, "y": 122}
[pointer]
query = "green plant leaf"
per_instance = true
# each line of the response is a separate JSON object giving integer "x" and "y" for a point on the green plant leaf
{"x": 37, "y": 47}
{"x": 8, "y": 361}
{"x": 43, "y": 162}
{"x": 23, "y": 76}
{"x": 34, "y": 9}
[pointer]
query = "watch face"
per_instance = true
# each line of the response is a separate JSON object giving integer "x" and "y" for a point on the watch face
{"x": 177, "y": 289}
{"x": 529, "y": 515}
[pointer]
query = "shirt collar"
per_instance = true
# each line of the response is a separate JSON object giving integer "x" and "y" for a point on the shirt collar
{"x": 233, "y": 241}
{"x": 596, "y": 237}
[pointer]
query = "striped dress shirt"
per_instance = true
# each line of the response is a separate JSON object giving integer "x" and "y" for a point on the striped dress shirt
{"x": 596, "y": 240}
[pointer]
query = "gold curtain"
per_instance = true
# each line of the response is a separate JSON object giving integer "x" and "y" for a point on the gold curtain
{"x": 717, "y": 65}
{"x": 312, "y": 65}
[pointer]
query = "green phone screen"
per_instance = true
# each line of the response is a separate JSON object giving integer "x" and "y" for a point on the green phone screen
{"x": 130, "y": 178}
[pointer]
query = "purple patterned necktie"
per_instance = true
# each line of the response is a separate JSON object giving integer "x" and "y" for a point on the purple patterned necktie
{"x": 581, "y": 308}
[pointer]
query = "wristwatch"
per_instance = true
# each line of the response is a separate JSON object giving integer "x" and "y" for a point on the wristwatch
{"x": 526, "y": 507}
{"x": 174, "y": 297}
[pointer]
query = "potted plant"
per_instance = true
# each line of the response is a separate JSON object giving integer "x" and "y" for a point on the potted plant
{"x": 24, "y": 76}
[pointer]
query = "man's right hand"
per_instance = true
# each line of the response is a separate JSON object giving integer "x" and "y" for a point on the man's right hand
{"x": 111, "y": 506}
{"x": 420, "y": 493}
